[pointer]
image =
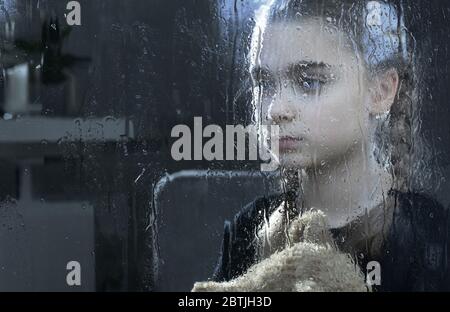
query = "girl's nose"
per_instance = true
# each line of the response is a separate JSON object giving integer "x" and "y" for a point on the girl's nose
{"x": 281, "y": 111}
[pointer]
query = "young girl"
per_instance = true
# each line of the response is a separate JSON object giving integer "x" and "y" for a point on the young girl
{"x": 338, "y": 79}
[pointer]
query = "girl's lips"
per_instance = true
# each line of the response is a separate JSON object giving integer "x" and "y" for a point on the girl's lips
{"x": 288, "y": 143}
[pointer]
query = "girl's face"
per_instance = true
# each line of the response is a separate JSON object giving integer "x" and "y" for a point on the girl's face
{"x": 313, "y": 86}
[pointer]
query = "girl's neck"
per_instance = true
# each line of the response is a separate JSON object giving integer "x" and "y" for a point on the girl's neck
{"x": 343, "y": 189}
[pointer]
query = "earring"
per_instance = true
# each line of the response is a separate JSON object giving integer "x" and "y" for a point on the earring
{"x": 382, "y": 116}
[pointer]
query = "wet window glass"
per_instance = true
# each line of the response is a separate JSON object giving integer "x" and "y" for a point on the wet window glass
{"x": 224, "y": 145}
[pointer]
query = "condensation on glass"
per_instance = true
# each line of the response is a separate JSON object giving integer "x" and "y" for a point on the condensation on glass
{"x": 357, "y": 88}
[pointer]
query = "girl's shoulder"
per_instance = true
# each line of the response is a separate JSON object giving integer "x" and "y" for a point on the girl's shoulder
{"x": 238, "y": 251}
{"x": 418, "y": 218}
{"x": 415, "y": 254}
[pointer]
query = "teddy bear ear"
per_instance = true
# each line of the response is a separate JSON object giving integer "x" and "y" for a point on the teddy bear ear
{"x": 311, "y": 227}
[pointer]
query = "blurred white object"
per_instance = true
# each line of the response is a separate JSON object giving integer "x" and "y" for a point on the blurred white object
{"x": 384, "y": 32}
{"x": 16, "y": 91}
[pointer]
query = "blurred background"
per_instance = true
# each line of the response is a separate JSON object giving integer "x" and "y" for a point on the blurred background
{"x": 85, "y": 118}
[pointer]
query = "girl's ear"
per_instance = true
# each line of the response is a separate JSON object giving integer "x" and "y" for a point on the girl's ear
{"x": 384, "y": 91}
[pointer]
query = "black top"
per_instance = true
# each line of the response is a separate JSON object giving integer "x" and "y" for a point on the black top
{"x": 413, "y": 256}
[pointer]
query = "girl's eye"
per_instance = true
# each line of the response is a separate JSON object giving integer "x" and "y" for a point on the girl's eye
{"x": 266, "y": 82}
{"x": 310, "y": 85}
